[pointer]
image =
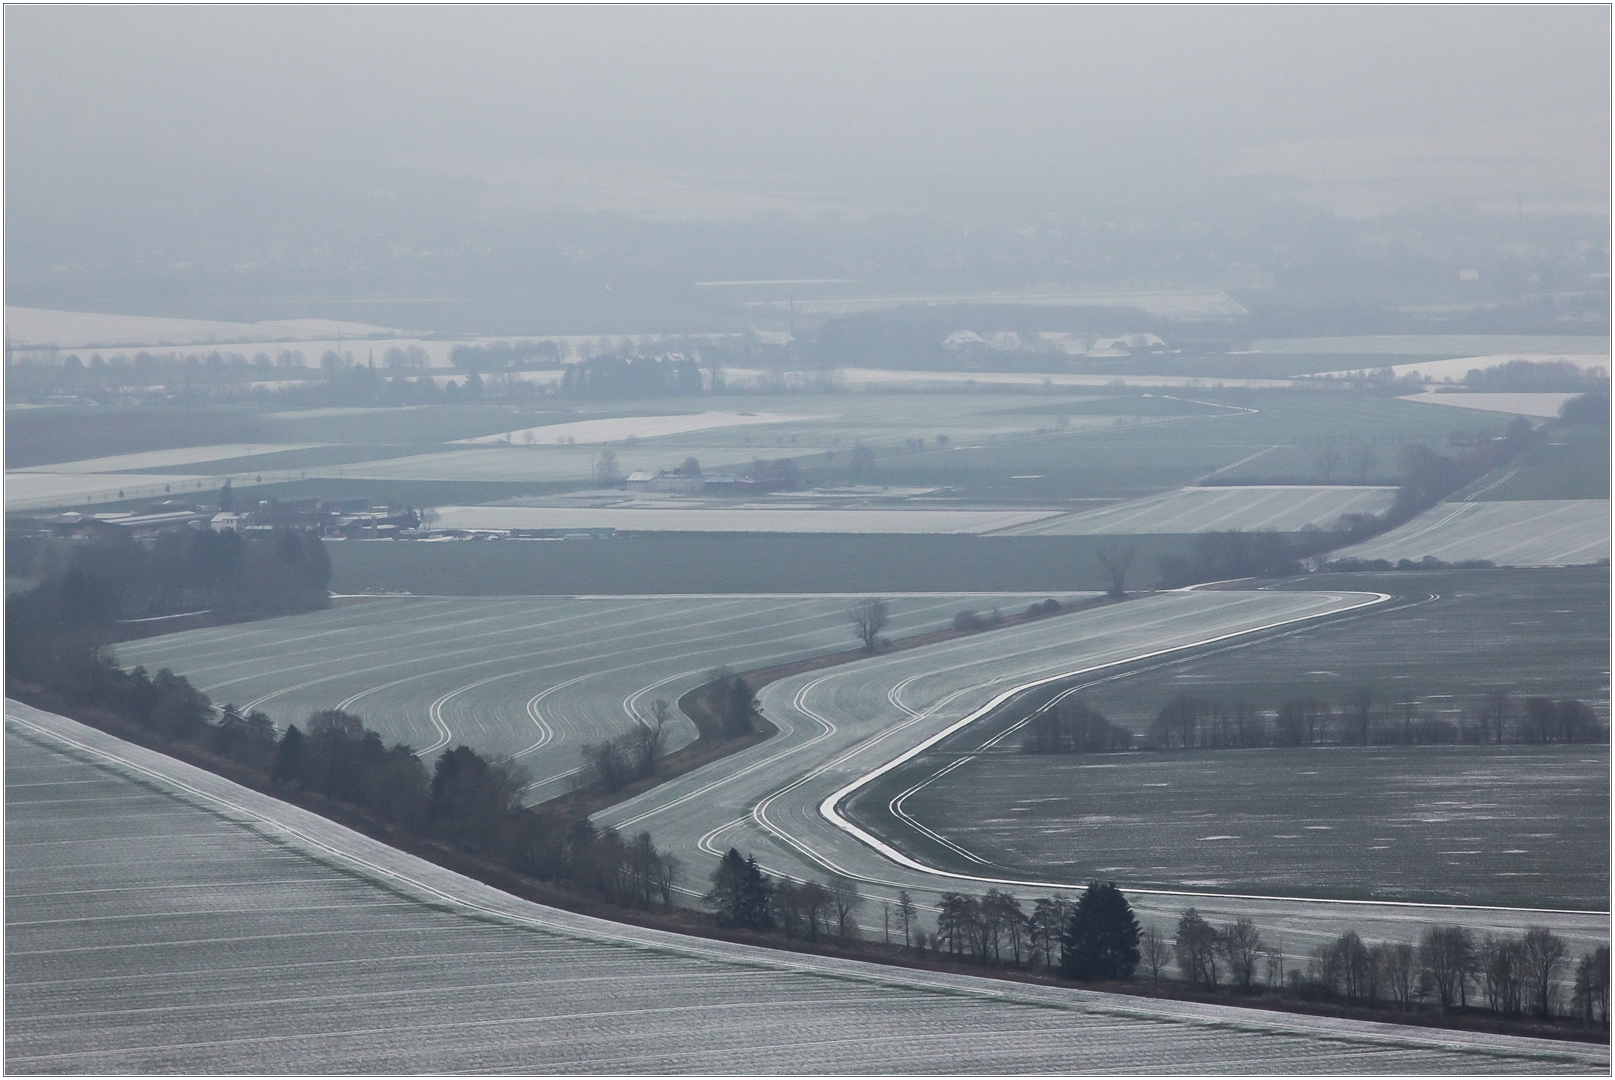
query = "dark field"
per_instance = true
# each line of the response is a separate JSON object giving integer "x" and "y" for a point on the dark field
{"x": 733, "y": 563}
{"x": 1504, "y": 825}
{"x": 1528, "y": 632}
{"x": 1575, "y": 465}
{"x": 1512, "y": 826}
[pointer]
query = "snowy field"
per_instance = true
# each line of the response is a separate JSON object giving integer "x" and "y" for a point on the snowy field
{"x": 1469, "y": 346}
{"x": 1454, "y": 370}
{"x": 865, "y": 378}
{"x": 1540, "y": 533}
{"x": 615, "y": 429}
{"x": 162, "y": 459}
{"x": 1542, "y": 405}
{"x": 970, "y": 522}
{"x": 43, "y": 491}
{"x": 1192, "y": 510}
{"x": 203, "y": 928}
{"x": 532, "y": 677}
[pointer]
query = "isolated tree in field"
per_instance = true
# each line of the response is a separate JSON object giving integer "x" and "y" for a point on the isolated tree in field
{"x": 605, "y": 470}
{"x": 1197, "y": 946}
{"x": 869, "y": 618}
{"x": 1117, "y": 558}
{"x": 690, "y": 467}
{"x": 1241, "y": 944}
{"x": 1101, "y": 936}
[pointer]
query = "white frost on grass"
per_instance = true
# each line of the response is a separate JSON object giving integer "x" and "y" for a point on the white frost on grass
{"x": 863, "y": 378}
{"x": 42, "y": 491}
{"x": 375, "y": 919}
{"x": 1545, "y": 532}
{"x": 162, "y": 459}
{"x": 1543, "y": 405}
{"x": 1193, "y": 510}
{"x": 616, "y": 429}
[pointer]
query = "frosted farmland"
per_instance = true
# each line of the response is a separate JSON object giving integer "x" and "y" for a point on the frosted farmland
{"x": 1539, "y": 533}
{"x": 532, "y": 677}
{"x": 839, "y": 725}
{"x": 1468, "y": 346}
{"x": 734, "y": 520}
{"x": 1543, "y": 405}
{"x": 1192, "y": 510}
{"x": 876, "y": 377}
{"x": 40, "y": 491}
{"x": 617, "y": 428}
{"x": 162, "y": 459}
{"x": 203, "y": 928}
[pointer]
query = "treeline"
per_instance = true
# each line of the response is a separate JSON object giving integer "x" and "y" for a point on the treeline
{"x": 609, "y": 766}
{"x": 631, "y": 377}
{"x": 1448, "y": 969}
{"x": 505, "y": 356}
{"x": 1537, "y": 376}
{"x": 1098, "y": 938}
{"x": 89, "y": 584}
{"x": 1190, "y": 721}
{"x": 54, "y": 631}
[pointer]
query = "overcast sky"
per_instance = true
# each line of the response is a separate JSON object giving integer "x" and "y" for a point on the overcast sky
{"x": 1044, "y": 106}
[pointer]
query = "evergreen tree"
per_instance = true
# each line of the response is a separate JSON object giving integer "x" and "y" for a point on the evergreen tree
{"x": 1101, "y": 936}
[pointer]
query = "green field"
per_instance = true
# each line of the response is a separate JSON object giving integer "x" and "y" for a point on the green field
{"x": 1513, "y": 826}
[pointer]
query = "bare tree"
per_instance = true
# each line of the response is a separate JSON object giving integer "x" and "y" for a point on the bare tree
{"x": 1117, "y": 558}
{"x": 1542, "y": 952}
{"x": 1447, "y": 955}
{"x": 605, "y": 470}
{"x": 905, "y": 916}
{"x": 1402, "y": 974}
{"x": 1241, "y": 943}
{"x": 1363, "y": 459}
{"x": 869, "y": 618}
{"x": 844, "y": 900}
{"x": 1156, "y": 952}
{"x": 1327, "y": 462}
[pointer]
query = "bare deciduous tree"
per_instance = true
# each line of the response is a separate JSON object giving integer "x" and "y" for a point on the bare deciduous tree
{"x": 869, "y": 618}
{"x": 1117, "y": 558}
{"x": 844, "y": 901}
{"x": 1241, "y": 944}
{"x": 1155, "y": 951}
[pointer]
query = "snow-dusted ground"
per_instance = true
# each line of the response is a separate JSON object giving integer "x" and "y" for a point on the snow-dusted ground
{"x": 162, "y": 459}
{"x": 1513, "y": 404}
{"x": 199, "y": 927}
{"x": 615, "y": 429}
{"x": 1193, "y": 510}
{"x": 1538, "y": 533}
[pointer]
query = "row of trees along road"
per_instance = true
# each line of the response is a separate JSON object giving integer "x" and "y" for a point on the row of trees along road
{"x": 1097, "y": 938}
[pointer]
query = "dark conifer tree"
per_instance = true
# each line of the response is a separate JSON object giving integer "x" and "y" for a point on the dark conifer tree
{"x": 1101, "y": 936}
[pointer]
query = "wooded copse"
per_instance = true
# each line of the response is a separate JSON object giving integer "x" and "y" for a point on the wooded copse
{"x": 1358, "y": 718}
